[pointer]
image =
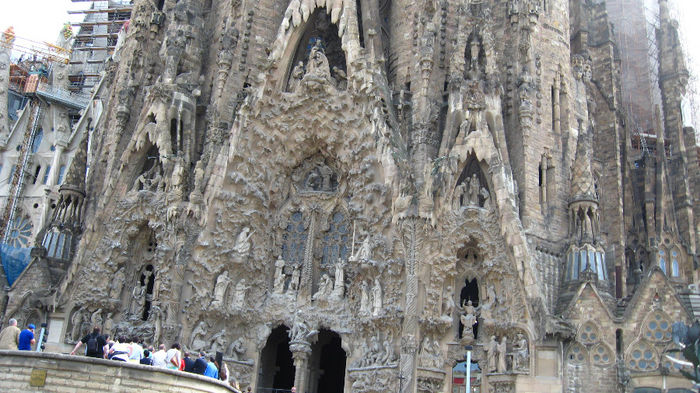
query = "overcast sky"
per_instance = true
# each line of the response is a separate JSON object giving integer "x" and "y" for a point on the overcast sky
{"x": 41, "y": 20}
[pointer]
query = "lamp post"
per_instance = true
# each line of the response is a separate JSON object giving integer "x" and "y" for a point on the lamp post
{"x": 469, "y": 348}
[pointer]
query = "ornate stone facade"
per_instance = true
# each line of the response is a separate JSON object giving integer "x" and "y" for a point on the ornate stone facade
{"x": 342, "y": 195}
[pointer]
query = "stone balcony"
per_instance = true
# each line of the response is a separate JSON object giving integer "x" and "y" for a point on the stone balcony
{"x": 24, "y": 371}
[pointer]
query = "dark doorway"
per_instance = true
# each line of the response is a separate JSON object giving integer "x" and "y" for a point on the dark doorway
{"x": 328, "y": 371}
{"x": 470, "y": 291}
{"x": 276, "y": 364}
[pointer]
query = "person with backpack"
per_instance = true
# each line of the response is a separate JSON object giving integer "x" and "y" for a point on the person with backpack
{"x": 94, "y": 342}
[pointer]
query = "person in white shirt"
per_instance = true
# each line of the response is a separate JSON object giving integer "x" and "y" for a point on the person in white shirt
{"x": 159, "y": 356}
{"x": 173, "y": 358}
{"x": 136, "y": 351}
{"x": 121, "y": 350}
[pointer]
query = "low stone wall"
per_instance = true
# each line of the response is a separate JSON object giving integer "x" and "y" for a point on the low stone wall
{"x": 24, "y": 371}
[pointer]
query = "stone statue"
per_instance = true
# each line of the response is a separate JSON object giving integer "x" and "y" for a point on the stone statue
{"x": 138, "y": 295}
{"x": 389, "y": 354}
{"x": 243, "y": 241}
{"x": 325, "y": 288}
{"x": 197, "y": 341}
{"x": 296, "y": 76}
{"x": 294, "y": 282}
{"x": 339, "y": 287}
{"x": 220, "y": 287}
{"x": 76, "y": 320}
{"x": 317, "y": 66}
{"x": 520, "y": 356}
{"x": 491, "y": 350}
{"x": 501, "y": 349}
{"x": 279, "y": 276}
{"x": 375, "y": 350}
{"x": 468, "y": 319}
{"x": 217, "y": 341}
{"x": 236, "y": 350}
{"x": 364, "y": 299}
{"x": 364, "y": 253}
{"x": 96, "y": 318}
{"x": 239, "y": 295}
{"x": 448, "y": 303}
{"x": 117, "y": 284}
{"x": 341, "y": 78}
{"x": 474, "y": 188}
{"x": 300, "y": 332}
{"x": 376, "y": 297}
{"x": 487, "y": 201}
{"x": 108, "y": 326}
{"x": 459, "y": 194}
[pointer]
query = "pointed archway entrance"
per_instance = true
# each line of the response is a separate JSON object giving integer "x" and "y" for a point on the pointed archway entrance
{"x": 327, "y": 364}
{"x": 276, "y": 365}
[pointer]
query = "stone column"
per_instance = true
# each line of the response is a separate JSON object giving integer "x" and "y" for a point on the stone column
{"x": 55, "y": 164}
{"x": 410, "y": 328}
{"x": 301, "y": 353}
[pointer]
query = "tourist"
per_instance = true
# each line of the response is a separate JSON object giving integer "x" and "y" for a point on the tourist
{"x": 9, "y": 336}
{"x": 211, "y": 370}
{"x": 136, "y": 351}
{"x": 159, "y": 357}
{"x": 189, "y": 363}
{"x": 200, "y": 365}
{"x": 172, "y": 357}
{"x": 146, "y": 359}
{"x": 26, "y": 338}
{"x": 108, "y": 345}
{"x": 94, "y": 343}
{"x": 121, "y": 350}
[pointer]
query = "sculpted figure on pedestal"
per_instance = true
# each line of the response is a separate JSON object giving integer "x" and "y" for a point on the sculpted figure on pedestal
{"x": 339, "y": 286}
{"x": 376, "y": 297}
{"x": 220, "y": 287}
{"x": 239, "y": 295}
{"x": 279, "y": 276}
{"x": 76, "y": 321}
{"x": 468, "y": 319}
{"x": 448, "y": 304}
{"x": 325, "y": 288}
{"x": 242, "y": 245}
{"x": 491, "y": 350}
{"x": 116, "y": 285}
{"x": 501, "y": 348}
{"x": 197, "y": 341}
{"x": 520, "y": 354}
{"x": 364, "y": 299}
{"x": 294, "y": 281}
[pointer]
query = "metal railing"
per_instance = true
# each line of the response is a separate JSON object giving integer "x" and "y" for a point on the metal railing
{"x": 77, "y": 101}
{"x": 271, "y": 390}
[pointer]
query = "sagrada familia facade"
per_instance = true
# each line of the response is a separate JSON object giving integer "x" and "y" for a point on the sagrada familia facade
{"x": 349, "y": 195}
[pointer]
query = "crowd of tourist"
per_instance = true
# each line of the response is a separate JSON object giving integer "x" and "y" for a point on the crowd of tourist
{"x": 133, "y": 350}
{"x": 124, "y": 349}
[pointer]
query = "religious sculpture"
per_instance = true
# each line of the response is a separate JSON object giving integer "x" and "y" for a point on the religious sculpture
{"x": 468, "y": 319}
{"x": 460, "y": 192}
{"x": 501, "y": 348}
{"x": 376, "y": 297}
{"x": 520, "y": 354}
{"x": 364, "y": 253}
{"x": 138, "y": 296}
{"x": 448, "y": 304}
{"x": 474, "y": 188}
{"x": 364, "y": 299}
{"x": 339, "y": 286}
{"x": 325, "y": 288}
{"x": 491, "y": 350}
{"x": 76, "y": 321}
{"x": 239, "y": 295}
{"x": 294, "y": 281}
{"x": 217, "y": 341}
{"x": 296, "y": 76}
{"x": 236, "y": 350}
{"x": 96, "y": 318}
{"x": 278, "y": 287}
{"x": 220, "y": 287}
{"x": 116, "y": 284}
{"x": 197, "y": 341}
{"x": 242, "y": 245}
{"x": 301, "y": 333}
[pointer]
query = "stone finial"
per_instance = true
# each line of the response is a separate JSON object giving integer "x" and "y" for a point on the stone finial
{"x": 75, "y": 179}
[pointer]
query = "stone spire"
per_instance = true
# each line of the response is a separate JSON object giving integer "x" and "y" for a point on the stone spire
{"x": 582, "y": 183}
{"x": 75, "y": 179}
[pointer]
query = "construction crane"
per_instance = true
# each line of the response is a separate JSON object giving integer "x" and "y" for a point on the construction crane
{"x": 41, "y": 50}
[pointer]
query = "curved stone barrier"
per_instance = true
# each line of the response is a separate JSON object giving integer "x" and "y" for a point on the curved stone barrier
{"x": 24, "y": 371}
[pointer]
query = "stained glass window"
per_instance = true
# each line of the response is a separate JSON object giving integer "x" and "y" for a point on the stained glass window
{"x": 294, "y": 239}
{"x": 21, "y": 232}
{"x": 662, "y": 260}
{"x": 675, "y": 270}
{"x": 335, "y": 240}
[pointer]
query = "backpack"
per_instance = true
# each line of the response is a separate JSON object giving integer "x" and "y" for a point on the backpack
{"x": 92, "y": 345}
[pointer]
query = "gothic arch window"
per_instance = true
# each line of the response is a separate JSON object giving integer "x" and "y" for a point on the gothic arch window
{"x": 662, "y": 260}
{"x": 472, "y": 186}
{"x": 658, "y": 328}
{"x": 675, "y": 269}
{"x": 336, "y": 239}
{"x": 602, "y": 355}
{"x": 589, "y": 333}
{"x": 319, "y": 29}
{"x": 294, "y": 238}
{"x": 642, "y": 357}
{"x": 36, "y": 141}
{"x": 576, "y": 354}
{"x": 669, "y": 258}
